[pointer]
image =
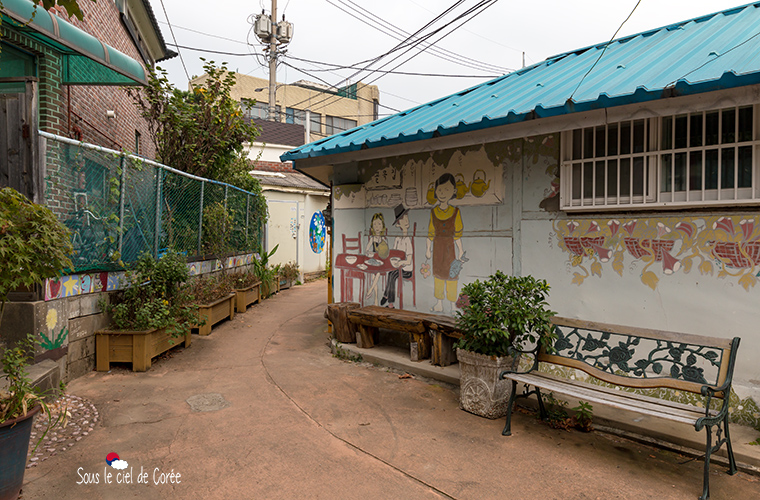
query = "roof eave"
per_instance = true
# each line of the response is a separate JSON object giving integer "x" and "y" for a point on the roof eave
{"x": 641, "y": 95}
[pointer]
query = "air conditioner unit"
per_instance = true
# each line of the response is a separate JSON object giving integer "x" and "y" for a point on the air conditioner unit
{"x": 263, "y": 27}
{"x": 284, "y": 31}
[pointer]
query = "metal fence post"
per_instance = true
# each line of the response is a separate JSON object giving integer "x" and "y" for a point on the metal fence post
{"x": 247, "y": 215}
{"x": 122, "y": 196}
{"x": 200, "y": 221}
{"x": 225, "y": 196}
{"x": 157, "y": 240}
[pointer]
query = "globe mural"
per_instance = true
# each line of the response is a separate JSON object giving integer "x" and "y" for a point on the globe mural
{"x": 317, "y": 232}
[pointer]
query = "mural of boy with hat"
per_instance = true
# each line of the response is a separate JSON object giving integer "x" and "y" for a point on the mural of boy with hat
{"x": 404, "y": 266}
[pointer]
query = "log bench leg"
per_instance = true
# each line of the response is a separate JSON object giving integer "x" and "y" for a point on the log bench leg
{"x": 443, "y": 349}
{"x": 420, "y": 346}
{"x": 365, "y": 337}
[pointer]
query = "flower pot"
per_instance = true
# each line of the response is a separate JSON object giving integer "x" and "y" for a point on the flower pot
{"x": 136, "y": 347}
{"x": 14, "y": 445}
{"x": 244, "y": 297}
{"x": 481, "y": 392}
{"x": 215, "y": 312}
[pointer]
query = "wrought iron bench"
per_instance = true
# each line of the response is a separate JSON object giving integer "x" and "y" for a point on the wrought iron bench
{"x": 640, "y": 359}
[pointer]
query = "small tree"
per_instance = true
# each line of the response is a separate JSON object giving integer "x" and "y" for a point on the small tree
{"x": 202, "y": 131}
{"x": 34, "y": 245}
{"x": 217, "y": 231}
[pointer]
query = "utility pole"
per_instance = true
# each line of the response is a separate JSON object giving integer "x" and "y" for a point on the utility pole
{"x": 273, "y": 65}
{"x": 273, "y": 35}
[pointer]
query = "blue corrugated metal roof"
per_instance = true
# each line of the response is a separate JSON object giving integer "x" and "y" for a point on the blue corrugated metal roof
{"x": 713, "y": 52}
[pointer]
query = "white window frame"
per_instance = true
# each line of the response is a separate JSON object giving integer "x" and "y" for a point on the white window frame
{"x": 654, "y": 196}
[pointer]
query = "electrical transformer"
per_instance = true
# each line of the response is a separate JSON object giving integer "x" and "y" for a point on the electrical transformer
{"x": 263, "y": 27}
{"x": 284, "y": 31}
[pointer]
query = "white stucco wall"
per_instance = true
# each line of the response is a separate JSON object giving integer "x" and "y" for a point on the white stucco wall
{"x": 522, "y": 231}
{"x": 284, "y": 207}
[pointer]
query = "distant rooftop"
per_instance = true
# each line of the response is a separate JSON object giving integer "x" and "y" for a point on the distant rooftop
{"x": 290, "y": 178}
{"x": 286, "y": 134}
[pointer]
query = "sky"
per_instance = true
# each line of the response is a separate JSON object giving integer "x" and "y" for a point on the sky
{"x": 488, "y": 45}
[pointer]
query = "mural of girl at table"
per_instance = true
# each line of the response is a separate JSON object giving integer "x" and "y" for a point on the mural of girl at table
{"x": 377, "y": 245}
{"x": 444, "y": 243}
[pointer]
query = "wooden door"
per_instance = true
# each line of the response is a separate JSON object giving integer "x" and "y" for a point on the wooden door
{"x": 18, "y": 138}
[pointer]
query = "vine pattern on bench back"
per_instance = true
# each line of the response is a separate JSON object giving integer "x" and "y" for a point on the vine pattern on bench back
{"x": 638, "y": 357}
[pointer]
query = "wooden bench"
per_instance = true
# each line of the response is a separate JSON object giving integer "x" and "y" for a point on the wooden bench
{"x": 430, "y": 334}
{"x": 370, "y": 318}
{"x": 640, "y": 359}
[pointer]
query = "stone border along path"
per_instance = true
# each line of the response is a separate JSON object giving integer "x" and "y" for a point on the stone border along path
{"x": 81, "y": 420}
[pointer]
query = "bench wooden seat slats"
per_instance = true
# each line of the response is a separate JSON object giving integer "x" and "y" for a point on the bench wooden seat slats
{"x": 616, "y": 399}
{"x": 639, "y": 358}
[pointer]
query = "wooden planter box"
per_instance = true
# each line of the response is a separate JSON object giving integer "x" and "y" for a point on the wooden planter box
{"x": 215, "y": 312}
{"x": 269, "y": 288}
{"x": 247, "y": 296}
{"x": 136, "y": 347}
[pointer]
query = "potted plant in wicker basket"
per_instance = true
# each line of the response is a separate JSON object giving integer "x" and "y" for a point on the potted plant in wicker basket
{"x": 149, "y": 317}
{"x": 498, "y": 317}
{"x": 34, "y": 245}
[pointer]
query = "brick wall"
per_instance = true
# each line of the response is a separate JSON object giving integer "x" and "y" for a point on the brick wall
{"x": 102, "y": 20}
{"x": 50, "y": 91}
{"x": 272, "y": 166}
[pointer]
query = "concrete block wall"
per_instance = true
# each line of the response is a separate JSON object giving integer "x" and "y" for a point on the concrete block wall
{"x": 80, "y": 315}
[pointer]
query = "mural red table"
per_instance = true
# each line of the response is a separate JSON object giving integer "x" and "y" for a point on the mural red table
{"x": 353, "y": 266}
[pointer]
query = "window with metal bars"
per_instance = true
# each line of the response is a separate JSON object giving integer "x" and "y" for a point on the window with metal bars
{"x": 694, "y": 159}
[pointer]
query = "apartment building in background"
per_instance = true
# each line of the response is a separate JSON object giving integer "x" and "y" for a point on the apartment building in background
{"x": 330, "y": 110}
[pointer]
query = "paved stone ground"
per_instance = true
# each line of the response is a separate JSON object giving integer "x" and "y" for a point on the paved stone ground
{"x": 80, "y": 420}
{"x": 303, "y": 424}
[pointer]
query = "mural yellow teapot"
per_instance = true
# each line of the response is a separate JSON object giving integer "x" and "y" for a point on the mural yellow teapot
{"x": 479, "y": 185}
{"x": 431, "y": 199}
{"x": 462, "y": 187}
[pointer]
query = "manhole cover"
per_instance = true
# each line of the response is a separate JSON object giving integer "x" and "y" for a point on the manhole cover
{"x": 208, "y": 402}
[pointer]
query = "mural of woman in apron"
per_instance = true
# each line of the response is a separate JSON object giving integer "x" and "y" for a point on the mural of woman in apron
{"x": 444, "y": 243}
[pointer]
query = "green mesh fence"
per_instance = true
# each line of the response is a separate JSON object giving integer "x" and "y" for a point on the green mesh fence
{"x": 118, "y": 206}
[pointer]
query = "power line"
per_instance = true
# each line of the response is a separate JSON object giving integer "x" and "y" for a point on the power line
{"x": 205, "y": 34}
{"x": 471, "y": 32}
{"x": 409, "y": 73}
{"x": 387, "y": 28}
{"x": 336, "y": 88}
{"x": 483, "y": 5}
{"x": 403, "y": 44}
{"x": 171, "y": 30}
{"x": 714, "y": 58}
{"x": 604, "y": 50}
{"x": 335, "y": 66}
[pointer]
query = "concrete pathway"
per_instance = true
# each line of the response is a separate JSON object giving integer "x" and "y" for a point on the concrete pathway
{"x": 288, "y": 420}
